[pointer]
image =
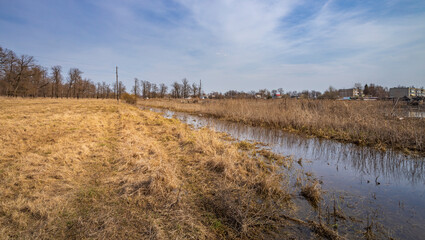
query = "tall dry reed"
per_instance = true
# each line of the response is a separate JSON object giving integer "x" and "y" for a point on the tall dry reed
{"x": 361, "y": 122}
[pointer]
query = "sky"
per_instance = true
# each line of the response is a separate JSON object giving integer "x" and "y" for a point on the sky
{"x": 228, "y": 44}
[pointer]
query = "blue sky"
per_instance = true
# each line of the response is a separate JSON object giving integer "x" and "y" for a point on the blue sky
{"x": 242, "y": 45}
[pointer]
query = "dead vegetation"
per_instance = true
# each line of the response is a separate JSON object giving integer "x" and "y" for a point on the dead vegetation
{"x": 312, "y": 192}
{"x": 101, "y": 170}
{"x": 361, "y": 122}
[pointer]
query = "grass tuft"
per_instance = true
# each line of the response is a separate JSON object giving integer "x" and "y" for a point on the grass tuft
{"x": 312, "y": 192}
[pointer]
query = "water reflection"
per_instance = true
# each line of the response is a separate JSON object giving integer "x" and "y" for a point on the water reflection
{"x": 388, "y": 184}
{"x": 415, "y": 114}
{"x": 364, "y": 161}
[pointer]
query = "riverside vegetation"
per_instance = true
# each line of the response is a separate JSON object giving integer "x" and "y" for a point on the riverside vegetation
{"x": 101, "y": 170}
{"x": 362, "y": 122}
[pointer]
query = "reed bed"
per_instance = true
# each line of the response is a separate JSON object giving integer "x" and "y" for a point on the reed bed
{"x": 371, "y": 123}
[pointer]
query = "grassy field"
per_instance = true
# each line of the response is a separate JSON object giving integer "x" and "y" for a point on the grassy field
{"x": 361, "y": 122}
{"x": 101, "y": 170}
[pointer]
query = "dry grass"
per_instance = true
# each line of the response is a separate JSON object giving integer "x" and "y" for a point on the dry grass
{"x": 101, "y": 170}
{"x": 312, "y": 192}
{"x": 361, "y": 122}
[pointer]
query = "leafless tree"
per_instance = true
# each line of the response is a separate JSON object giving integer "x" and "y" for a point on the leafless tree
{"x": 146, "y": 89}
{"x": 20, "y": 76}
{"x": 185, "y": 88}
{"x": 23, "y": 70}
{"x": 38, "y": 81}
{"x": 136, "y": 87}
{"x": 280, "y": 90}
{"x": 195, "y": 89}
{"x": 176, "y": 92}
{"x": 162, "y": 90}
{"x": 57, "y": 80}
{"x": 74, "y": 76}
{"x": 154, "y": 90}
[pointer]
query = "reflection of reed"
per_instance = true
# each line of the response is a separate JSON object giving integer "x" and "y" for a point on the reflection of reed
{"x": 415, "y": 114}
{"x": 387, "y": 165}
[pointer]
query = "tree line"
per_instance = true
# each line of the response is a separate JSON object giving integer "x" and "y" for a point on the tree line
{"x": 21, "y": 76}
{"x": 146, "y": 89}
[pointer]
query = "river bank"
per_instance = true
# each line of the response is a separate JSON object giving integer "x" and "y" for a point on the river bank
{"x": 97, "y": 169}
{"x": 371, "y": 189}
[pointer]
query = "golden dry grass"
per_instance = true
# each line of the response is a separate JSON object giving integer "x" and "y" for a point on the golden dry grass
{"x": 361, "y": 122}
{"x": 312, "y": 192}
{"x": 80, "y": 169}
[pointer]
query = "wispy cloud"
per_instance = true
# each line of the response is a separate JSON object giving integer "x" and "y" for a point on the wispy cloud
{"x": 229, "y": 44}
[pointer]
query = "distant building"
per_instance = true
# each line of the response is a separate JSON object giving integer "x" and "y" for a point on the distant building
{"x": 408, "y": 92}
{"x": 351, "y": 92}
{"x": 420, "y": 92}
{"x": 277, "y": 95}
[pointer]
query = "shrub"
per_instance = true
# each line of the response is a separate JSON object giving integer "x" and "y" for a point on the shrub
{"x": 128, "y": 98}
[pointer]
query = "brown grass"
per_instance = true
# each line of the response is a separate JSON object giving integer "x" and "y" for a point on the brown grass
{"x": 361, "y": 122}
{"x": 312, "y": 192}
{"x": 130, "y": 99}
{"x": 101, "y": 170}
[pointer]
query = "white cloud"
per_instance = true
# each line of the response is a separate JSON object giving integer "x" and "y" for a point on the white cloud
{"x": 245, "y": 44}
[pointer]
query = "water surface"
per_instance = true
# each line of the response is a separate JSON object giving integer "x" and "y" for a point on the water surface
{"x": 385, "y": 189}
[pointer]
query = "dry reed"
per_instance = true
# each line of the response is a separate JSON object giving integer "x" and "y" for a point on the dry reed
{"x": 361, "y": 122}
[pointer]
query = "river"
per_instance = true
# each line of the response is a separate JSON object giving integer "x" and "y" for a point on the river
{"x": 383, "y": 190}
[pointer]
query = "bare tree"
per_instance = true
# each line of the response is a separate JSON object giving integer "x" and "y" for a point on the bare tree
{"x": 194, "y": 90}
{"x": 162, "y": 90}
{"x": 104, "y": 90}
{"x": 185, "y": 88}
{"x": 37, "y": 81}
{"x": 280, "y": 90}
{"x": 146, "y": 89}
{"x": 23, "y": 70}
{"x": 20, "y": 76}
{"x": 74, "y": 76}
{"x": 136, "y": 87}
{"x": 121, "y": 88}
{"x": 57, "y": 80}
{"x": 8, "y": 61}
{"x": 331, "y": 93}
{"x": 358, "y": 86}
{"x": 154, "y": 90}
{"x": 177, "y": 90}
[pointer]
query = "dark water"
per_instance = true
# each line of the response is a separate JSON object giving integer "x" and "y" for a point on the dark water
{"x": 385, "y": 190}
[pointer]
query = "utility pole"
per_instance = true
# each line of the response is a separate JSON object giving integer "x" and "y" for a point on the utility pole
{"x": 135, "y": 86}
{"x": 200, "y": 88}
{"x": 118, "y": 87}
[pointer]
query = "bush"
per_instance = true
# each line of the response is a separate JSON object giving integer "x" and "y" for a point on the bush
{"x": 131, "y": 99}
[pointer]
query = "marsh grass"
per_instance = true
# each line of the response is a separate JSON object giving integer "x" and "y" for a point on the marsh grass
{"x": 361, "y": 122}
{"x": 312, "y": 192}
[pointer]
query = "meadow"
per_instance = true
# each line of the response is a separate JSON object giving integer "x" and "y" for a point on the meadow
{"x": 372, "y": 123}
{"x": 79, "y": 169}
